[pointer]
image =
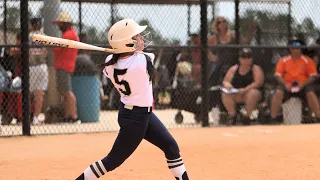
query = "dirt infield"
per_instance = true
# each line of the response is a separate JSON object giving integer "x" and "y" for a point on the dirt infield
{"x": 236, "y": 153}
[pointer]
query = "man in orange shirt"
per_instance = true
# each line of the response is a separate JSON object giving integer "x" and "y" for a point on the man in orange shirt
{"x": 64, "y": 63}
{"x": 295, "y": 74}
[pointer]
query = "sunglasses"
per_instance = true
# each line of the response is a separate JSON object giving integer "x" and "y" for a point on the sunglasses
{"x": 296, "y": 44}
{"x": 223, "y": 21}
{"x": 246, "y": 56}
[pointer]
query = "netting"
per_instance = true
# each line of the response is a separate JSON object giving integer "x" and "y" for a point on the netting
{"x": 58, "y": 94}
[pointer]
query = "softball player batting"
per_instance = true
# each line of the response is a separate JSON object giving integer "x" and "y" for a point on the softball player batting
{"x": 130, "y": 71}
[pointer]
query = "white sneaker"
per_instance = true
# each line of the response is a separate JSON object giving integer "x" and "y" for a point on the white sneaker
{"x": 36, "y": 121}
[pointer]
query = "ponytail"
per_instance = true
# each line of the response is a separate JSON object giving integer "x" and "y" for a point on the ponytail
{"x": 113, "y": 60}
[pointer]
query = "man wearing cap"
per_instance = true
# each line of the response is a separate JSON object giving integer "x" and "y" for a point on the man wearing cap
{"x": 295, "y": 74}
{"x": 246, "y": 80}
{"x": 64, "y": 63}
{"x": 38, "y": 71}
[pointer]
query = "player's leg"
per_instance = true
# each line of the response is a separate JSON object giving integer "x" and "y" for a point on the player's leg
{"x": 133, "y": 127}
{"x": 229, "y": 103}
{"x": 40, "y": 85}
{"x": 276, "y": 102}
{"x": 158, "y": 135}
{"x": 312, "y": 100}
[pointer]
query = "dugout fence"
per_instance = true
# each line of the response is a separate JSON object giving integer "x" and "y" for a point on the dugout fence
{"x": 171, "y": 24}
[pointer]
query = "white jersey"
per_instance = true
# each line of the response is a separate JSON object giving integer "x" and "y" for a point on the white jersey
{"x": 130, "y": 77}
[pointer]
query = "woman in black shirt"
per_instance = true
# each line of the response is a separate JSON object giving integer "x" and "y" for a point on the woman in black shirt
{"x": 246, "y": 79}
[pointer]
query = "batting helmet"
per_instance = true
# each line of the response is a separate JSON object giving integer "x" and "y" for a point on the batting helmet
{"x": 121, "y": 33}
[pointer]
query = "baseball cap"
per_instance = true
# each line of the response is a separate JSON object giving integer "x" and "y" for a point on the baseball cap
{"x": 63, "y": 17}
{"x": 295, "y": 41}
{"x": 245, "y": 53}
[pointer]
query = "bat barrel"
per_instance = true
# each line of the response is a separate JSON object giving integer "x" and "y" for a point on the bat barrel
{"x": 66, "y": 43}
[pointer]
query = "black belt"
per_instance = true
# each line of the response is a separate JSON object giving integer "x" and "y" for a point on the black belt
{"x": 144, "y": 109}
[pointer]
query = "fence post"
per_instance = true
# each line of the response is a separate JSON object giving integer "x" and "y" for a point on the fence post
{"x": 80, "y": 16}
{"x": 204, "y": 62}
{"x": 24, "y": 21}
{"x": 5, "y": 12}
{"x": 189, "y": 18}
{"x": 237, "y": 21}
{"x": 112, "y": 12}
{"x": 289, "y": 20}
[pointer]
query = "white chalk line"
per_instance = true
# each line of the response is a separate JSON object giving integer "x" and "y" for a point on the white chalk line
{"x": 242, "y": 132}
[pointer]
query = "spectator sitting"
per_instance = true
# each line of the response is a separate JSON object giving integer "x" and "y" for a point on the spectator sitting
{"x": 315, "y": 55}
{"x": 225, "y": 57}
{"x": 195, "y": 55}
{"x": 12, "y": 101}
{"x": 295, "y": 74}
{"x": 248, "y": 79}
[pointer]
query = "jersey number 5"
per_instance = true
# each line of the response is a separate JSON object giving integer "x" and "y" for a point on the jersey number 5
{"x": 118, "y": 72}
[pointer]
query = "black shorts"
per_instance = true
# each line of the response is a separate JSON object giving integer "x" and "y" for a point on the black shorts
{"x": 301, "y": 94}
{"x": 317, "y": 89}
{"x": 63, "y": 80}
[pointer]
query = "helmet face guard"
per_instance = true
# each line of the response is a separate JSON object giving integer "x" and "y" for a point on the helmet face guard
{"x": 147, "y": 38}
{"x": 120, "y": 36}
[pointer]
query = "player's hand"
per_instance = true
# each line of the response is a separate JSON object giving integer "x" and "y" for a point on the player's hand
{"x": 288, "y": 87}
{"x": 212, "y": 57}
{"x": 295, "y": 89}
{"x": 228, "y": 85}
{"x": 300, "y": 86}
{"x": 242, "y": 90}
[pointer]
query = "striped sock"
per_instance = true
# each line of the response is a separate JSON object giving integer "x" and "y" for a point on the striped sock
{"x": 93, "y": 172}
{"x": 178, "y": 169}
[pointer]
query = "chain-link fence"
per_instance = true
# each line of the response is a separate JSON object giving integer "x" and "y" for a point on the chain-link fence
{"x": 66, "y": 93}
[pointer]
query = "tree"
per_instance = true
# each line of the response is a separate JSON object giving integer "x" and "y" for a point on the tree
{"x": 157, "y": 38}
{"x": 275, "y": 26}
{"x": 13, "y": 19}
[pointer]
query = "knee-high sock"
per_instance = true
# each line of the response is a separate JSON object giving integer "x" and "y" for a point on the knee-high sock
{"x": 93, "y": 172}
{"x": 178, "y": 169}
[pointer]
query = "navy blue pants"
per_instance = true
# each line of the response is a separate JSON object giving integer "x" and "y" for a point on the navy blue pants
{"x": 135, "y": 125}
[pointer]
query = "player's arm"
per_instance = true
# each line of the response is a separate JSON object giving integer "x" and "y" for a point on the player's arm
{"x": 279, "y": 73}
{"x": 307, "y": 82}
{"x": 105, "y": 68}
{"x": 281, "y": 81}
{"x": 251, "y": 31}
{"x": 149, "y": 64}
{"x": 228, "y": 77}
{"x": 312, "y": 73}
{"x": 151, "y": 55}
{"x": 258, "y": 78}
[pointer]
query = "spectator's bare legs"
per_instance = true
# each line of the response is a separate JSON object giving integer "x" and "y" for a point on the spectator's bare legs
{"x": 276, "y": 103}
{"x": 229, "y": 103}
{"x": 251, "y": 99}
{"x": 313, "y": 103}
{"x": 38, "y": 102}
{"x": 70, "y": 105}
{"x": 196, "y": 74}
